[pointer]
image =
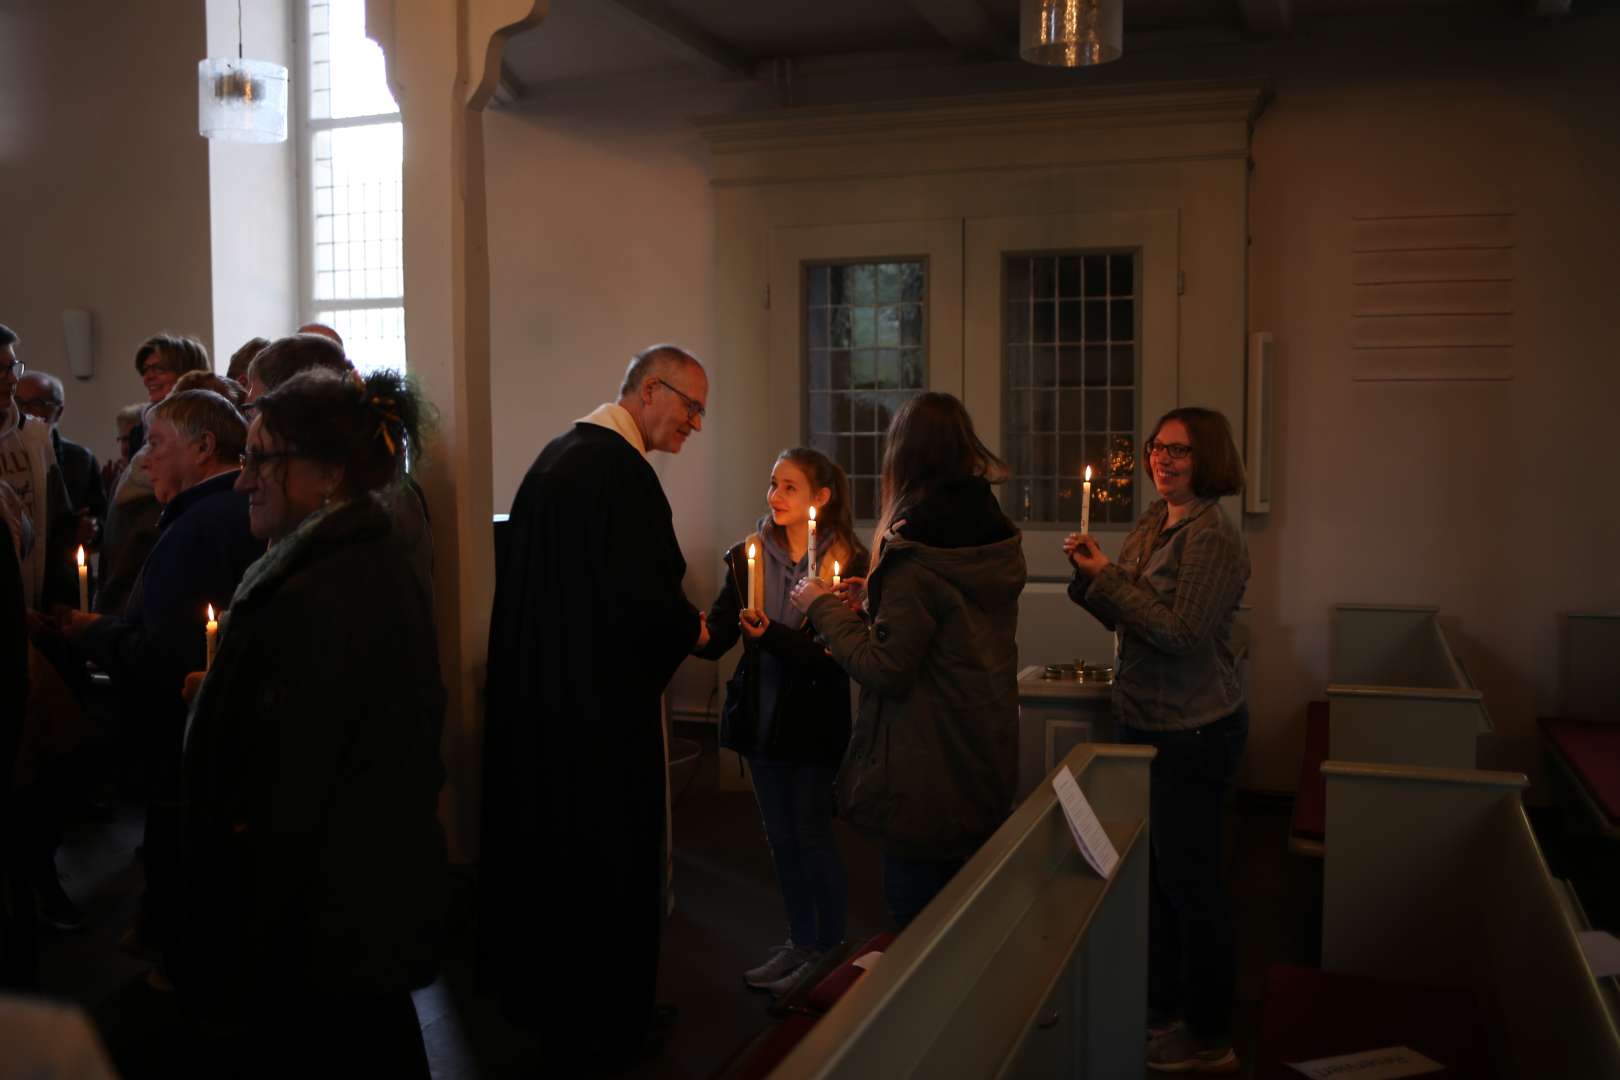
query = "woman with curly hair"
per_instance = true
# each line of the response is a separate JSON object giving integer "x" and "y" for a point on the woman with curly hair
{"x": 314, "y": 857}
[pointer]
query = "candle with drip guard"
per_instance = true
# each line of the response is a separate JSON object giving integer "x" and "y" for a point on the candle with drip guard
{"x": 753, "y": 580}
{"x": 84, "y": 582}
{"x": 1085, "y": 503}
{"x": 212, "y": 630}
{"x": 812, "y": 561}
{"x": 836, "y": 568}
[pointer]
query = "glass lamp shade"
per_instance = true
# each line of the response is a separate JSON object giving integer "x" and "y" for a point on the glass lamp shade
{"x": 242, "y": 100}
{"x": 1071, "y": 33}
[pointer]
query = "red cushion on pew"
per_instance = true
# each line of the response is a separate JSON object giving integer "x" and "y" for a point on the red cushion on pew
{"x": 825, "y": 994}
{"x": 1310, "y": 805}
{"x": 1308, "y": 1014}
{"x": 1593, "y": 751}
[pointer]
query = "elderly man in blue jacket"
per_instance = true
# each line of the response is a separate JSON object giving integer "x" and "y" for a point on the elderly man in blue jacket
{"x": 204, "y": 546}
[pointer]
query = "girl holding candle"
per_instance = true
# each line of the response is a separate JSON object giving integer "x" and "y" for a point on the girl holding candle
{"x": 314, "y": 861}
{"x": 787, "y": 706}
{"x": 932, "y": 763}
{"x": 1172, "y": 599}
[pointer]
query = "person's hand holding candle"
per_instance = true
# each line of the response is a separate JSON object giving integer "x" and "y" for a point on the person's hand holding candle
{"x": 807, "y": 591}
{"x": 1085, "y": 553}
{"x": 754, "y": 624}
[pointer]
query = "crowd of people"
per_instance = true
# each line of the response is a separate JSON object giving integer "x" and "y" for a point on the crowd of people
{"x": 289, "y": 758}
{"x": 256, "y": 607}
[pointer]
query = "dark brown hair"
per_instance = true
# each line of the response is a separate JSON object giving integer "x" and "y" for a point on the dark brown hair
{"x": 229, "y": 389}
{"x": 1217, "y": 465}
{"x": 184, "y": 353}
{"x": 285, "y": 357}
{"x": 931, "y": 443}
{"x": 365, "y": 425}
{"x": 836, "y": 520}
{"x": 241, "y": 358}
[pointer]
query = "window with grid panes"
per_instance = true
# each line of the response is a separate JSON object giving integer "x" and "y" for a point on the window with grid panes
{"x": 866, "y": 352}
{"x": 1070, "y": 348}
{"x": 353, "y": 153}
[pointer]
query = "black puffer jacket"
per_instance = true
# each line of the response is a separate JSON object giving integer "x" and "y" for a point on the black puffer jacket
{"x": 932, "y": 762}
{"x": 313, "y": 855}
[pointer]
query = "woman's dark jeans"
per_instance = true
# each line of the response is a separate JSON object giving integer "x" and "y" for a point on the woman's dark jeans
{"x": 1192, "y": 965}
{"x": 796, "y": 802}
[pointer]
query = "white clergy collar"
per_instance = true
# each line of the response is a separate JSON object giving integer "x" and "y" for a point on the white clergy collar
{"x": 617, "y": 418}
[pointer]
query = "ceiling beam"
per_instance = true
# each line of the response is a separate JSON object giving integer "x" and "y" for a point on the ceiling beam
{"x": 966, "y": 25}
{"x": 1268, "y": 17}
{"x": 693, "y": 42}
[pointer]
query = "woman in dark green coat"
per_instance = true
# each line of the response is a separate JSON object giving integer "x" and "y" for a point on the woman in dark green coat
{"x": 314, "y": 858}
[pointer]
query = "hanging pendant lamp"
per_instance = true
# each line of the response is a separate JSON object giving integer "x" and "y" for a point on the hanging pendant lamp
{"x": 241, "y": 100}
{"x": 1071, "y": 33}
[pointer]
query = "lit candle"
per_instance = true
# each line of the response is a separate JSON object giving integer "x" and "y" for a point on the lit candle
{"x": 212, "y": 630}
{"x": 1085, "y": 503}
{"x": 836, "y": 568}
{"x": 753, "y": 580}
{"x": 812, "y": 562}
{"x": 84, "y": 582}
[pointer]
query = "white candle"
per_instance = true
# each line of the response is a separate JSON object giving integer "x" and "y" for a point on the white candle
{"x": 212, "y": 630}
{"x": 812, "y": 561}
{"x": 753, "y": 580}
{"x": 1085, "y": 503}
{"x": 836, "y": 568}
{"x": 84, "y": 582}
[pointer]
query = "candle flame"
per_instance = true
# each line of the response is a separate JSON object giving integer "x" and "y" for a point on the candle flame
{"x": 836, "y": 568}
{"x": 81, "y": 554}
{"x": 210, "y": 612}
{"x": 750, "y": 551}
{"x": 812, "y": 513}
{"x": 1088, "y": 474}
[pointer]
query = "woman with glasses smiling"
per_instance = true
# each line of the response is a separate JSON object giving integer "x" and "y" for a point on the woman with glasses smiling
{"x": 314, "y": 860}
{"x": 1171, "y": 599}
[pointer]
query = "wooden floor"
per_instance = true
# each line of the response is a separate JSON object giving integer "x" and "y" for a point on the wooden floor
{"x": 727, "y": 915}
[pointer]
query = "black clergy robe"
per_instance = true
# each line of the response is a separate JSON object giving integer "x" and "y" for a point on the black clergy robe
{"x": 589, "y": 625}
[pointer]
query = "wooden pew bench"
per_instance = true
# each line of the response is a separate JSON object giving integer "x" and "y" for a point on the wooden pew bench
{"x": 1397, "y": 693}
{"x": 1026, "y": 965}
{"x": 1583, "y": 742}
{"x": 1442, "y": 931}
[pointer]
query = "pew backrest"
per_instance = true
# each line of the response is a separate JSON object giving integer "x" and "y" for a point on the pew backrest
{"x": 1398, "y": 692}
{"x": 1026, "y": 964}
{"x": 1589, "y": 668}
{"x": 1434, "y": 876}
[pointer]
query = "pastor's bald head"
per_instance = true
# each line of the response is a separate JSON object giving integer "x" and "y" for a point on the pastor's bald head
{"x": 655, "y": 361}
{"x": 666, "y": 391}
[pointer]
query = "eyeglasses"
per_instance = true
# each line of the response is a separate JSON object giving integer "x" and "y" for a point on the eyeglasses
{"x": 254, "y": 460}
{"x": 17, "y": 368}
{"x": 1174, "y": 450}
{"x": 156, "y": 367}
{"x": 694, "y": 409}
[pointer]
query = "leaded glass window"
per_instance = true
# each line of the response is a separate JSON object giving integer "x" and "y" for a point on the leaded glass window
{"x": 866, "y": 352}
{"x": 353, "y": 153}
{"x": 1070, "y": 336}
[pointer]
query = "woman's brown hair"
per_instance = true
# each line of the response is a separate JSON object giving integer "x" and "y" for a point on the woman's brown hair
{"x": 835, "y": 522}
{"x": 931, "y": 443}
{"x": 365, "y": 424}
{"x": 182, "y": 353}
{"x": 1217, "y": 465}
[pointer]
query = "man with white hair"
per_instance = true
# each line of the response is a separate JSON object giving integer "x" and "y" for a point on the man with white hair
{"x": 589, "y": 626}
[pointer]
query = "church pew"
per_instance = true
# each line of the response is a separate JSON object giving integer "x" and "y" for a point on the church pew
{"x": 1027, "y": 964}
{"x": 1397, "y": 693}
{"x": 1435, "y": 879}
{"x": 1583, "y": 742}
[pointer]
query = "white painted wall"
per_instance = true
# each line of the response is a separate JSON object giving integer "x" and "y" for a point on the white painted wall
{"x": 103, "y": 189}
{"x": 1455, "y": 494}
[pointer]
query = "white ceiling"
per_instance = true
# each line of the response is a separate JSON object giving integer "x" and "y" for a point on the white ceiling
{"x": 582, "y": 41}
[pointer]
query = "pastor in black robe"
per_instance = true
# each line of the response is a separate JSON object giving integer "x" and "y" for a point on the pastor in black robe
{"x": 589, "y": 625}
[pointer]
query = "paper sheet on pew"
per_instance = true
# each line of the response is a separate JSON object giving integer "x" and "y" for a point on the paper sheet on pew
{"x": 1386, "y": 1064}
{"x": 1088, "y": 831}
{"x": 1602, "y": 951}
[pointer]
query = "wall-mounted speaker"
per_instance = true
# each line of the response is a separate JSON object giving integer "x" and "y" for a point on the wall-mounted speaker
{"x": 1262, "y": 363}
{"x": 78, "y": 336}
